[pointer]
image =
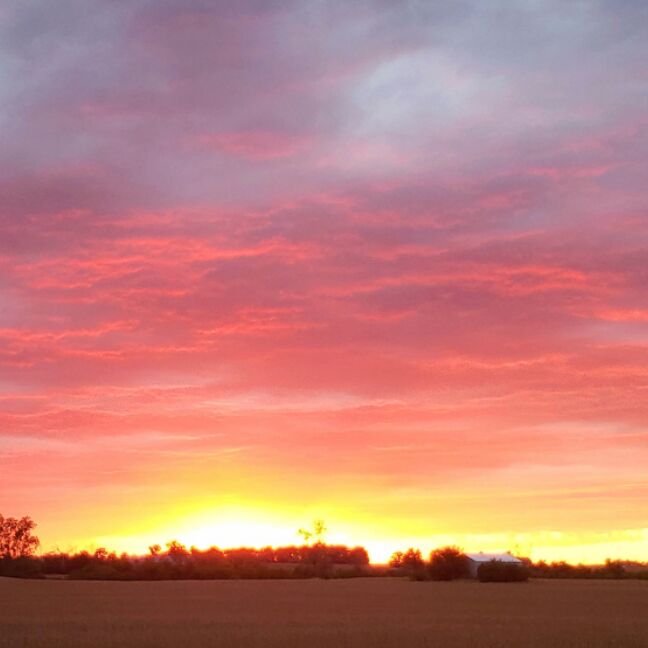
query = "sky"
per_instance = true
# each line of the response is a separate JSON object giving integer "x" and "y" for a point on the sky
{"x": 381, "y": 263}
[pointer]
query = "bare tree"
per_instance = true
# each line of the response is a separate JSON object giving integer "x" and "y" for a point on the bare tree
{"x": 319, "y": 529}
{"x": 317, "y": 532}
{"x": 306, "y": 534}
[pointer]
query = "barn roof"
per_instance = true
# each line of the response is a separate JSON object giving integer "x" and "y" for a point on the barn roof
{"x": 487, "y": 557}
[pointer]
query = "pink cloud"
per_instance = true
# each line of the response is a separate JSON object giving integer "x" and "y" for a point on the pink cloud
{"x": 405, "y": 245}
{"x": 257, "y": 146}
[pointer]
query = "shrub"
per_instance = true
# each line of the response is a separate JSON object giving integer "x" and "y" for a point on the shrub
{"x": 448, "y": 563}
{"x": 496, "y": 571}
{"x": 408, "y": 563}
{"x": 96, "y": 571}
{"x": 23, "y": 567}
{"x": 178, "y": 562}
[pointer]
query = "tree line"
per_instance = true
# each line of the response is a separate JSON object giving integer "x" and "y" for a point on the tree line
{"x": 18, "y": 557}
{"x": 450, "y": 563}
{"x": 179, "y": 562}
{"x": 314, "y": 558}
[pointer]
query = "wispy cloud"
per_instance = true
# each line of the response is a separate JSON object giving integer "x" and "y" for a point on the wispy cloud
{"x": 402, "y": 243}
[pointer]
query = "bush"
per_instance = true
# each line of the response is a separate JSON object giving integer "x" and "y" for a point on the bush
{"x": 496, "y": 571}
{"x": 96, "y": 571}
{"x": 178, "y": 562}
{"x": 420, "y": 574}
{"x": 448, "y": 563}
{"x": 23, "y": 567}
{"x": 410, "y": 559}
{"x": 351, "y": 571}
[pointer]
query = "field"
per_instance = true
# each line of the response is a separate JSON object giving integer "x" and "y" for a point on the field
{"x": 317, "y": 613}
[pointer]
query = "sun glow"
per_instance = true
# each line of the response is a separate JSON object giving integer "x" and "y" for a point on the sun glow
{"x": 236, "y": 529}
{"x": 377, "y": 263}
{"x": 258, "y": 526}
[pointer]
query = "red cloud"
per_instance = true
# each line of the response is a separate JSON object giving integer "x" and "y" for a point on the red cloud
{"x": 284, "y": 241}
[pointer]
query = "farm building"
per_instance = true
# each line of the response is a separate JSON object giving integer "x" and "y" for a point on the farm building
{"x": 477, "y": 559}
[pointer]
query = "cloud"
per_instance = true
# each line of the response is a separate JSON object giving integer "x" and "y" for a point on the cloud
{"x": 402, "y": 242}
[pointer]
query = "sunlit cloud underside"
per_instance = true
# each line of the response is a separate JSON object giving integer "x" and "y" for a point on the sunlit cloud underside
{"x": 377, "y": 263}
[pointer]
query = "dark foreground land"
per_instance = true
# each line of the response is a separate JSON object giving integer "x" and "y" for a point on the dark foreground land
{"x": 376, "y": 612}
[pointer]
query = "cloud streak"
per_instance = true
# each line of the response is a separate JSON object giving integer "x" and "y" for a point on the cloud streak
{"x": 401, "y": 243}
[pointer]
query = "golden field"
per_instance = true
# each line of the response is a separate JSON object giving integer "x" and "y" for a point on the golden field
{"x": 376, "y": 612}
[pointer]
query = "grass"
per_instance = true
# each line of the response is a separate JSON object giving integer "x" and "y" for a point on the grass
{"x": 376, "y": 612}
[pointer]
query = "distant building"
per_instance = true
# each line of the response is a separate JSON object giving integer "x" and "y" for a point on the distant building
{"x": 476, "y": 559}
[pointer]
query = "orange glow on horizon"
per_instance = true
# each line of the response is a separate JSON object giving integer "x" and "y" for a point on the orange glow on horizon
{"x": 247, "y": 527}
{"x": 378, "y": 263}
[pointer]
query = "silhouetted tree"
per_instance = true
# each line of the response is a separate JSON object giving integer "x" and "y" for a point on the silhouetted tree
{"x": 176, "y": 550}
{"x": 497, "y": 571}
{"x": 319, "y": 529}
{"x": 358, "y": 556}
{"x": 306, "y": 534}
{"x": 411, "y": 559}
{"x": 409, "y": 562}
{"x": 16, "y": 537}
{"x": 396, "y": 559}
{"x": 448, "y": 563}
{"x": 614, "y": 568}
{"x": 317, "y": 532}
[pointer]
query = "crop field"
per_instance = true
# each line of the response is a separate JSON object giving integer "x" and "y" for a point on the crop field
{"x": 377, "y": 612}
